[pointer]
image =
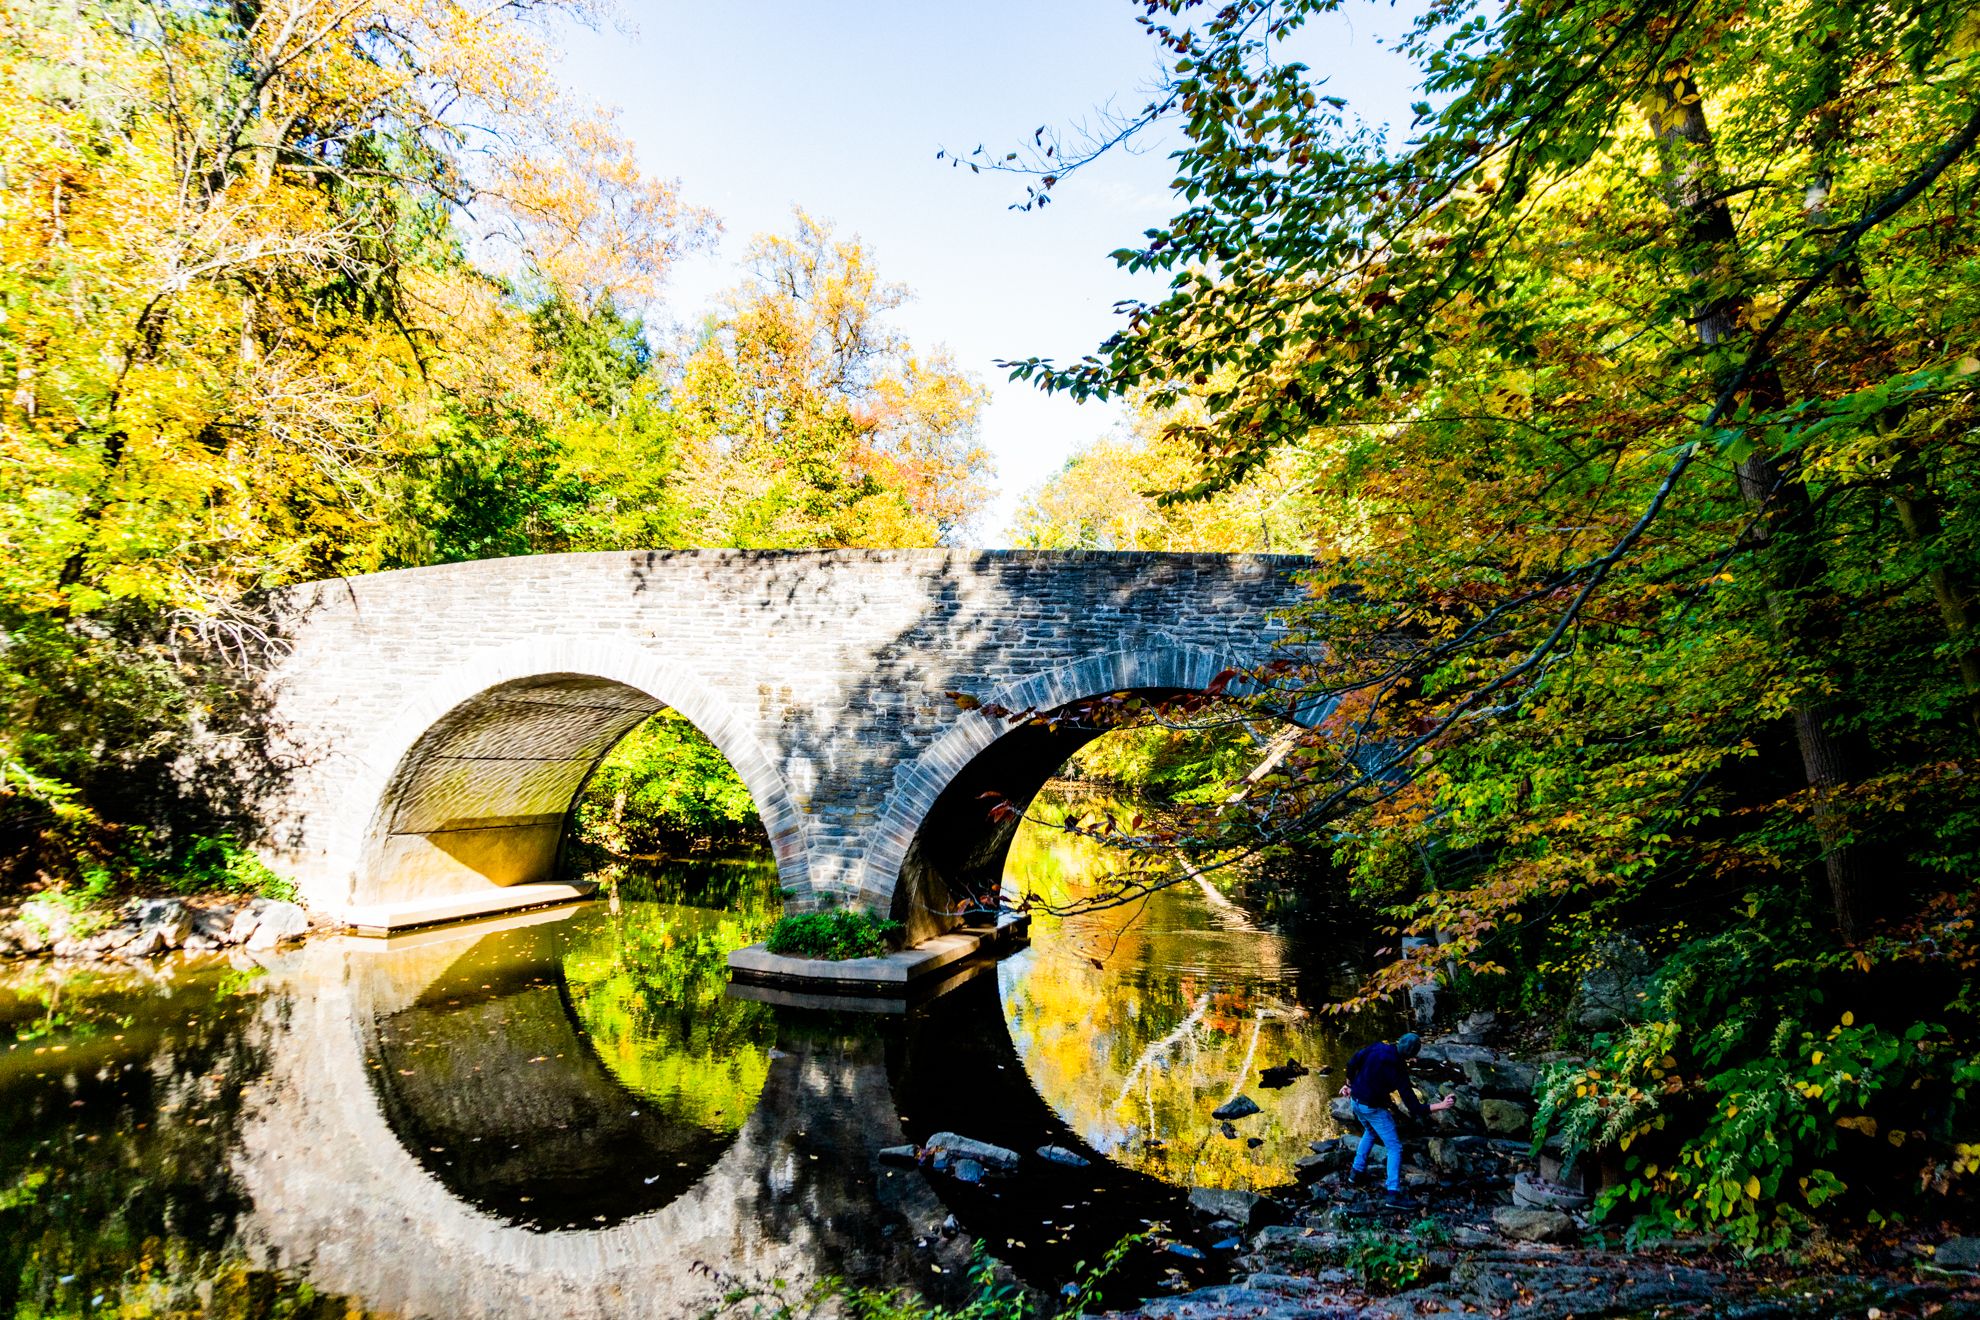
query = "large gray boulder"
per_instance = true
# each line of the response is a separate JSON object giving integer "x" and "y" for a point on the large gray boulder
{"x": 1526, "y": 1225}
{"x": 958, "y": 1147}
{"x": 1248, "y": 1210}
{"x": 1504, "y": 1117}
{"x": 277, "y": 922}
{"x": 1502, "y": 1077}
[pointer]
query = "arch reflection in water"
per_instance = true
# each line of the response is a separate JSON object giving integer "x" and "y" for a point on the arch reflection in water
{"x": 577, "y": 1073}
{"x": 763, "y": 1160}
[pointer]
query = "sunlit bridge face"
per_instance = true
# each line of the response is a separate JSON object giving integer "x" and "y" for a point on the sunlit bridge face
{"x": 580, "y": 1071}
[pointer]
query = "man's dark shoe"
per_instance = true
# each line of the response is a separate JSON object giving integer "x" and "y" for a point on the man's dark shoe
{"x": 1356, "y": 1177}
{"x": 1399, "y": 1201}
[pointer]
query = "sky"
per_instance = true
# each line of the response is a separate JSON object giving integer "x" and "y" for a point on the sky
{"x": 840, "y": 106}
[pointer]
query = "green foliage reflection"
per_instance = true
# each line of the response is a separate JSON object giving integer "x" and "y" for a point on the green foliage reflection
{"x": 647, "y": 985}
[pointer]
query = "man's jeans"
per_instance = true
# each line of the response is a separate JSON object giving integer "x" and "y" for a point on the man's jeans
{"x": 1378, "y": 1123}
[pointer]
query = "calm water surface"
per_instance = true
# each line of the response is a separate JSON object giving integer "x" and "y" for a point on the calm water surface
{"x": 567, "y": 1113}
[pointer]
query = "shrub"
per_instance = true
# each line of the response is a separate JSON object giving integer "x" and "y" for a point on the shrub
{"x": 838, "y": 934}
{"x": 220, "y": 864}
{"x": 1385, "y": 1262}
{"x": 1754, "y": 1095}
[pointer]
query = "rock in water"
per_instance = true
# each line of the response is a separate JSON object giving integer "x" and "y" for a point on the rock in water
{"x": 244, "y": 922}
{"x": 1229, "y": 1130}
{"x": 1238, "y": 1106}
{"x": 967, "y": 1170}
{"x": 1060, "y": 1155}
{"x": 1247, "y": 1209}
{"x": 1284, "y": 1075}
{"x": 958, "y": 1147}
{"x": 213, "y": 923}
{"x": 163, "y": 923}
{"x": 1960, "y": 1253}
{"x": 1533, "y": 1225}
{"x": 905, "y": 1157}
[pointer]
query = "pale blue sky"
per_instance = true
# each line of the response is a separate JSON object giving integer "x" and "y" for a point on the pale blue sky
{"x": 840, "y": 106}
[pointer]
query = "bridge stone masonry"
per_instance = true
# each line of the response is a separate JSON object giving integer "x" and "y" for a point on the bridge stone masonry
{"x": 433, "y": 726}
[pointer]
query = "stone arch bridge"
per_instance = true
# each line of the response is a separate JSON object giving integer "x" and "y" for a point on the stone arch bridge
{"x": 432, "y": 726}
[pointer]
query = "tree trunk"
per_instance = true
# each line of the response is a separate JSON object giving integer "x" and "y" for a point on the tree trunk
{"x": 1916, "y": 502}
{"x": 1829, "y": 763}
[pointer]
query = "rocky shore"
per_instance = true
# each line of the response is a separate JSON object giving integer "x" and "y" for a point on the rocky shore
{"x": 1499, "y": 1230}
{"x": 148, "y": 928}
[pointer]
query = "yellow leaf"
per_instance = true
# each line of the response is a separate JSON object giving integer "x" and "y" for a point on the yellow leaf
{"x": 1753, "y": 1187}
{"x": 1849, "y": 1019}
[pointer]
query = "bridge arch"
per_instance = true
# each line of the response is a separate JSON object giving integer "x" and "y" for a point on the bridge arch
{"x": 470, "y": 784}
{"x": 932, "y": 835}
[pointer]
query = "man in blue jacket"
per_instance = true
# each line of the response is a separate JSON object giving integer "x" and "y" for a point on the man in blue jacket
{"x": 1375, "y": 1074}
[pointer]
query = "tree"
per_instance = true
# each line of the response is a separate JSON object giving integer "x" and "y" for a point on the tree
{"x": 1110, "y": 496}
{"x": 812, "y": 422}
{"x": 259, "y": 264}
{"x": 1624, "y": 383}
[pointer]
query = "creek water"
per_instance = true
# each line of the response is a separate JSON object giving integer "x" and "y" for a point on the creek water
{"x": 571, "y": 1113}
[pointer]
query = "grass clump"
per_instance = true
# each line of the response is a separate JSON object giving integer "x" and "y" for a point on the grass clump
{"x": 835, "y": 935}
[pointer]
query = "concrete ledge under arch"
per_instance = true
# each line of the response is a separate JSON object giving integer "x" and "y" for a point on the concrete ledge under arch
{"x": 416, "y": 913}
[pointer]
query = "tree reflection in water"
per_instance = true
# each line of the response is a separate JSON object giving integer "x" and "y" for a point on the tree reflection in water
{"x": 1135, "y": 1022}
{"x": 648, "y": 987}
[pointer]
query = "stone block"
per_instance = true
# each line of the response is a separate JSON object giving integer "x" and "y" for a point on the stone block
{"x": 1504, "y": 1117}
{"x": 1526, "y": 1225}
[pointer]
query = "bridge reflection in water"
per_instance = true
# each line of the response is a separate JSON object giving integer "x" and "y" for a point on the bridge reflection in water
{"x": 563, "y": 1114}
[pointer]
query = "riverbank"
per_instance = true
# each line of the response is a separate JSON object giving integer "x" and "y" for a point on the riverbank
{"x": 1497, "y": 1229}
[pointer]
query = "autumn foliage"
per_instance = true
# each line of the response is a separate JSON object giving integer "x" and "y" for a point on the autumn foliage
{"x": 300, "y": 288}
{"x": 1633, "y": 384}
